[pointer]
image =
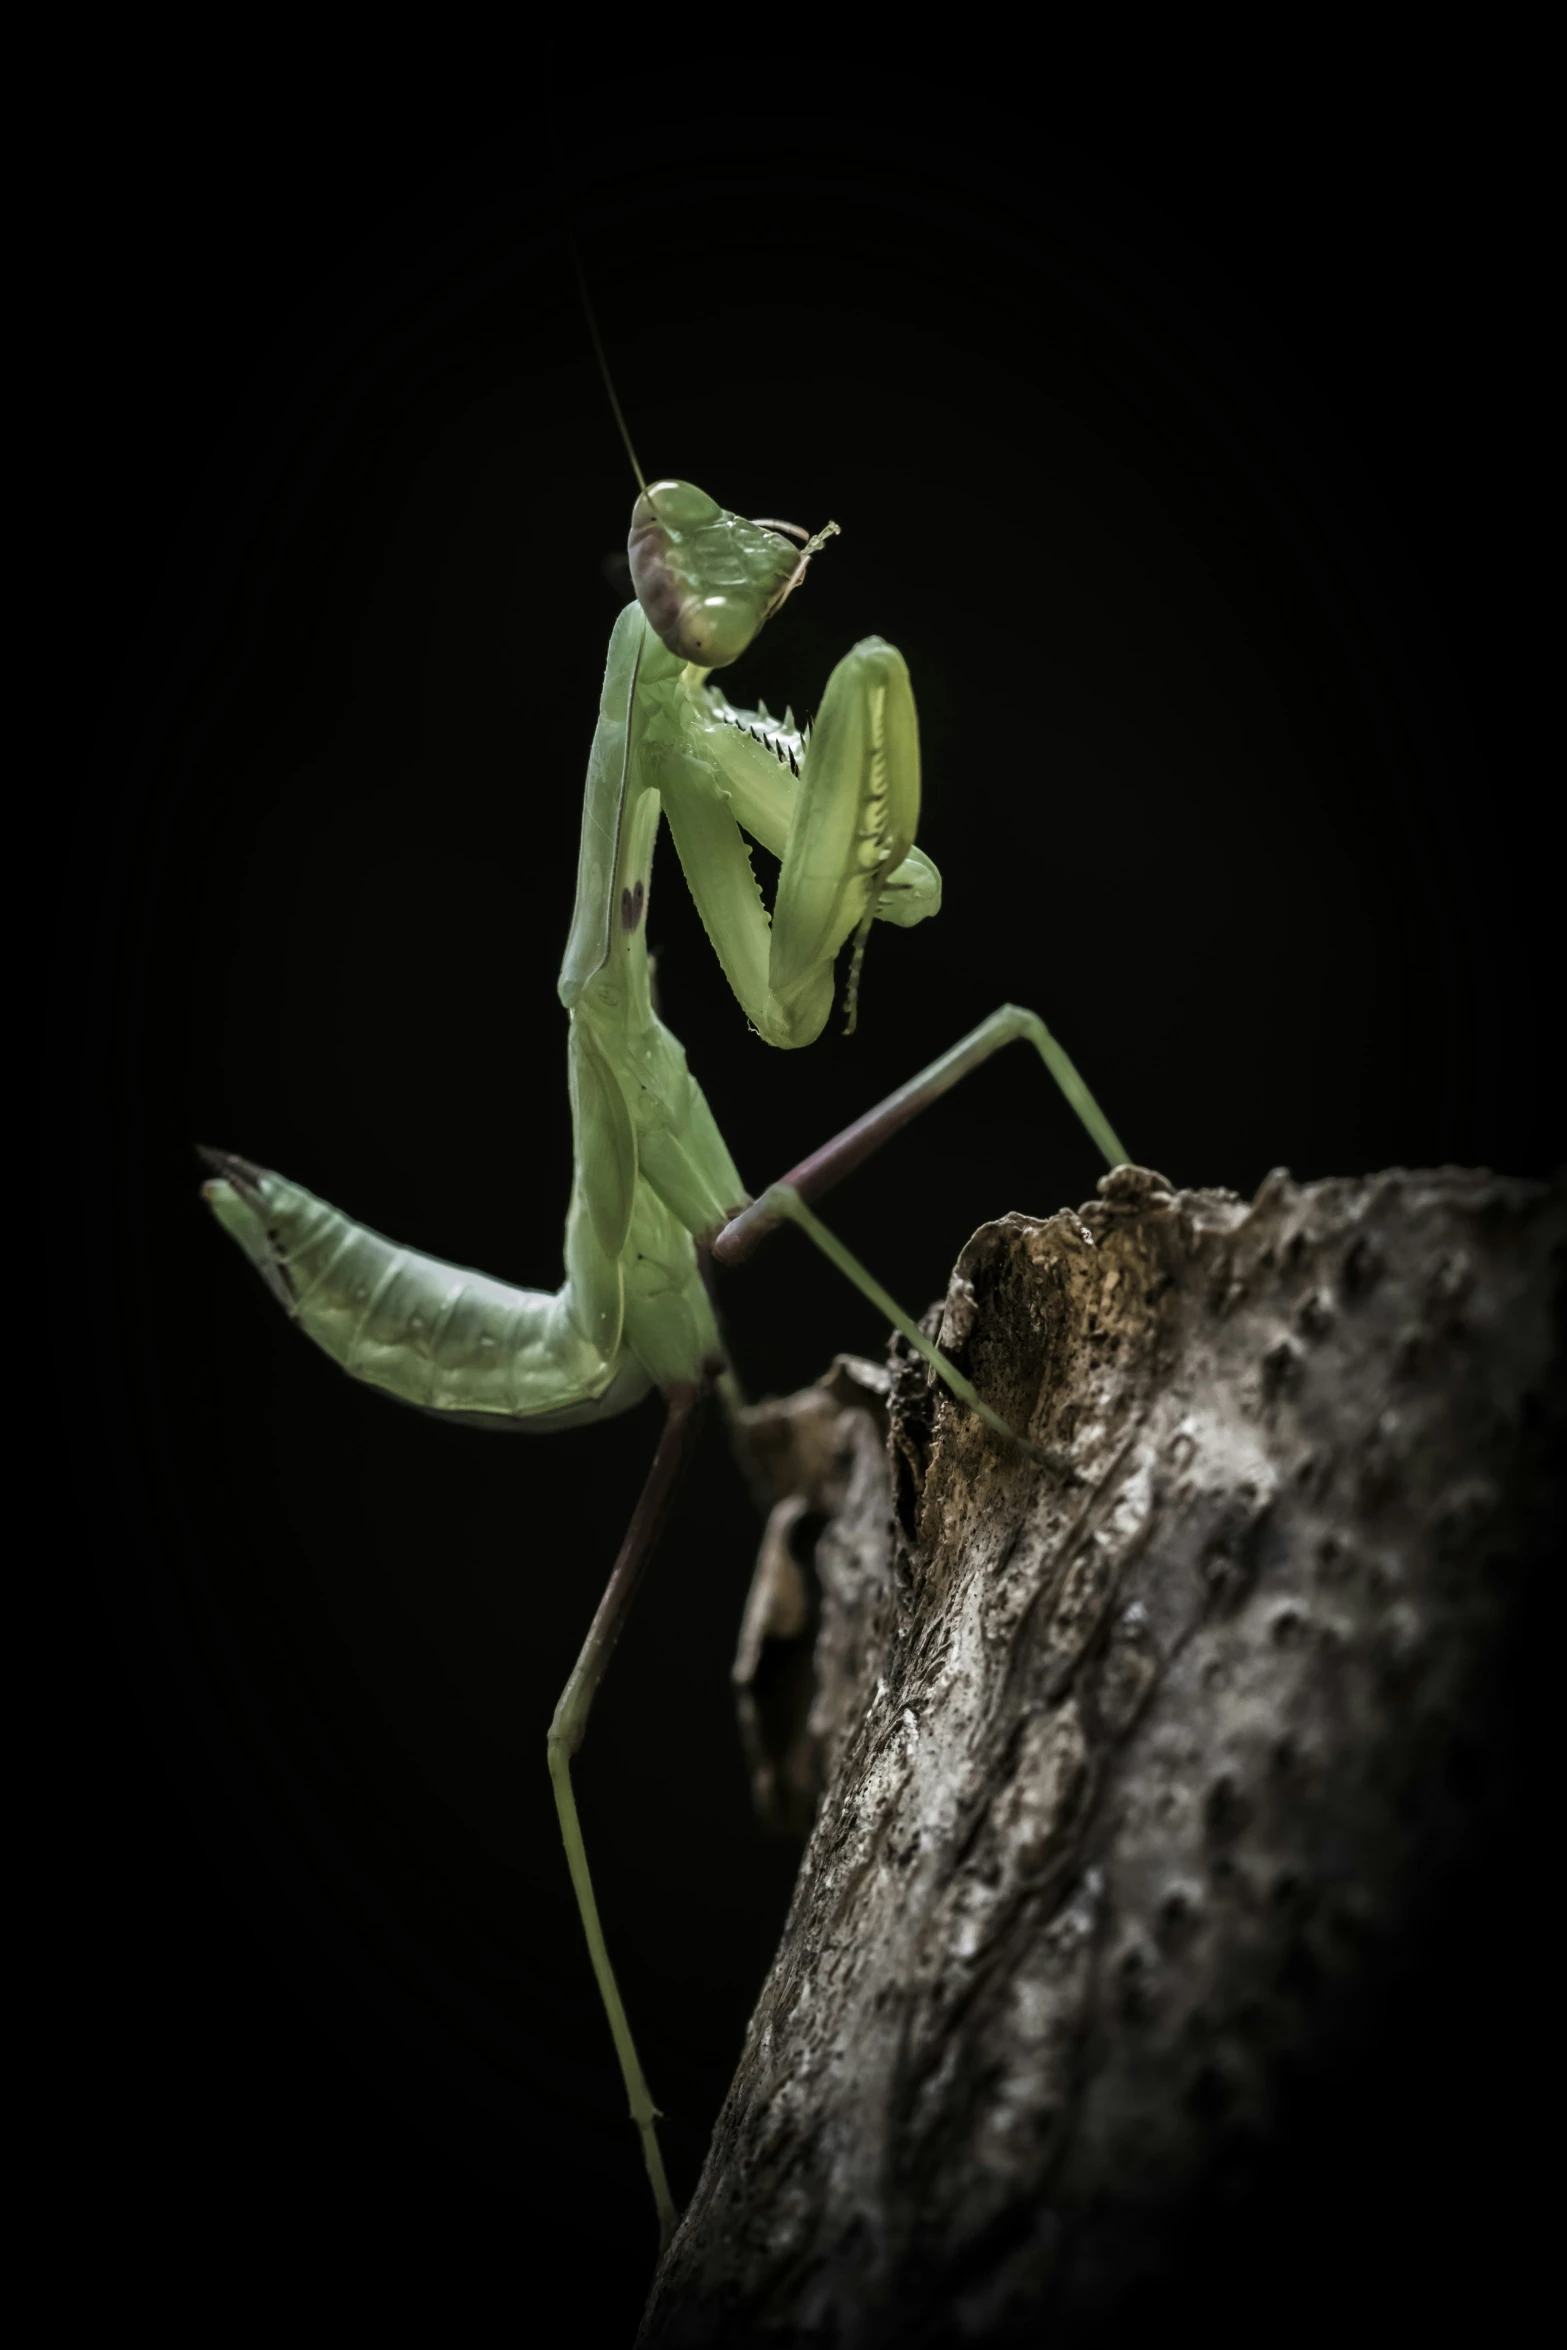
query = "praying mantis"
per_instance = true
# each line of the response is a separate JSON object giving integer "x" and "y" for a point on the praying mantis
{"x": 655, "y": 1196}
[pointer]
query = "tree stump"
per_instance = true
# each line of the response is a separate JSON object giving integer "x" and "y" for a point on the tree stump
{"x": 1151, "y": 1775}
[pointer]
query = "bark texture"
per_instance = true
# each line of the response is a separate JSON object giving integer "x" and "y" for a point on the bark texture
{"x": 1141, "y": 1774}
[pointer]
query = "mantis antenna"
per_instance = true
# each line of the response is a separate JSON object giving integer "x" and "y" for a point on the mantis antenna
{"x": 598, "y": 351}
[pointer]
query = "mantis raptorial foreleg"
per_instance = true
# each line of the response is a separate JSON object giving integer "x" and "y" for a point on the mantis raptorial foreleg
{"x": 841, "y": 819}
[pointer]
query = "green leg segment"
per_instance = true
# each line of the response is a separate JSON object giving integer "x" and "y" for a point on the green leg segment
{"x": 786, "y": 1205}
{"x": 644, "y": 2113}
{"x": 566, "y": 1735}
{"x": 1062, "y": 1069}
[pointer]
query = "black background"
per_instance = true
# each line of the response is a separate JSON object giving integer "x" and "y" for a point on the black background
{"x": 1202, "y": 501}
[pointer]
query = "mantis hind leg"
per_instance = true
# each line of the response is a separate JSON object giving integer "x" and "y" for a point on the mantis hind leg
{"x": 566, "y": 1734}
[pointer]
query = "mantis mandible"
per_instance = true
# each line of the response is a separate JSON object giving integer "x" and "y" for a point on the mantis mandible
{"x": 655, "y": 1193}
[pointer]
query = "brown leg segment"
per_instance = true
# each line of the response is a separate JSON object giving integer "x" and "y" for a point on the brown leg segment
{"x": 837, "y": 1158}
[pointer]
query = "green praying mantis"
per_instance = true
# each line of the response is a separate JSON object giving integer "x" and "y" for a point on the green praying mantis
{"x": 655, "y": 1194}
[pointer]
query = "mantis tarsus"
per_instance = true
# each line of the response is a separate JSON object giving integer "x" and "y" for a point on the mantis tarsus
{"x": 655, "y": 1193}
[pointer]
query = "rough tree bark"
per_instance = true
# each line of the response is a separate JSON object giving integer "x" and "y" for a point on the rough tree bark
{"x": 1145, "y": 1774}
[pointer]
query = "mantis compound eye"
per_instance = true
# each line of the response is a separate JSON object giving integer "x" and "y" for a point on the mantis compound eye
{"x": 677, "y": 505}
{"x": 706, "y": 579}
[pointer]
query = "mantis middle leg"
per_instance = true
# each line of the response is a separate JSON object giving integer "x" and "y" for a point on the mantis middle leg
{"x": 785, "y": 1200}
{"x": 816, "y": 1174}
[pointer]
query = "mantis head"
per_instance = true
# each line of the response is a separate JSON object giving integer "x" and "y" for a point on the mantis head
{"x": 709, "y": 580}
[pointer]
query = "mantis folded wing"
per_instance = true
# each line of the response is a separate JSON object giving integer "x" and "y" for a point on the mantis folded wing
{"x": 654, "y": 1187}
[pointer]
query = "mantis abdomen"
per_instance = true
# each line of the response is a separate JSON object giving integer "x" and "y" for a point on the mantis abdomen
{"x": 429, "y": 1333}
